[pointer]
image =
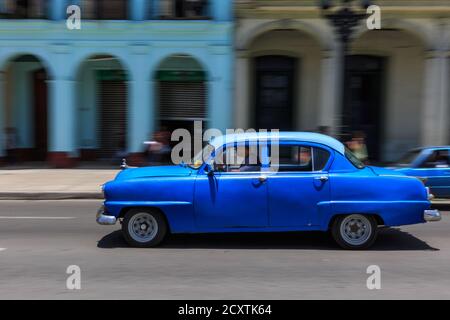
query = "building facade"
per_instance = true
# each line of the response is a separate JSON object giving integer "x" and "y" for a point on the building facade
{"x": 288, "y": 73}
{"x": 138, "y": 66}
{"x": 133, "y": 67}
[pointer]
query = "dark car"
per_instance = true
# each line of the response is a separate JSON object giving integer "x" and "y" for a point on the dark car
{"x": 432, "y": 164}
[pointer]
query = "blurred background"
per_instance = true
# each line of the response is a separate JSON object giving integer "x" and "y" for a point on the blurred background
{"x": 138, "y": 69}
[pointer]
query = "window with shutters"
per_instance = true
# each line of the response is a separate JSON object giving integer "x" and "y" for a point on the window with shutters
{"x": 112, "y": 113}
{"x": 182, "y": 89}
{"x": 184, "y": 9}
{"x": 182, "y": 100}
{"x": 23, "y": 9}
{"x": 104, "y": 9}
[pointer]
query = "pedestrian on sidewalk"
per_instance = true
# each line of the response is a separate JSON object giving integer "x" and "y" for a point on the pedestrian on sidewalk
{"x": 358, "y": 146}
{"x": 11, "y": 145}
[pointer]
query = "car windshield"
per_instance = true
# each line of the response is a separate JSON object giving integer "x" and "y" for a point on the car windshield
{"x": 200, "y": 158}
{"x": 353, "y": 159}
{"x": 408, "y": 158}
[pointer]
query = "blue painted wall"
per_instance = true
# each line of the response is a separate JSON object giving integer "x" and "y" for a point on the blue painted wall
{"x": 140, "y": 44}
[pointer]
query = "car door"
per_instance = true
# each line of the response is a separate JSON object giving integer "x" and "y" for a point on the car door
{"x": 233, "y": 196}
{"x": 299, "y": 191}
{"x": 436, "y": 169}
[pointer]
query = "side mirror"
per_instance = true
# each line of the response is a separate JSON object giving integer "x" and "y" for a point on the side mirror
{"x": 209, "y": 170}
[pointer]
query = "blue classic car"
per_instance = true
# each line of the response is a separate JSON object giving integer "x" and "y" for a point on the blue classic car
{"x": 431, "y": 164}
{"x": 299, "y": 182}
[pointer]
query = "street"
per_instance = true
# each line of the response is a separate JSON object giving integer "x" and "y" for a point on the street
{"x": 40, "y": 239}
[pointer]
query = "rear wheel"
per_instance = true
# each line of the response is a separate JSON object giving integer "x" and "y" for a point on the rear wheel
{"x": 144, "y": 228}
{"x": 355, "y": 231}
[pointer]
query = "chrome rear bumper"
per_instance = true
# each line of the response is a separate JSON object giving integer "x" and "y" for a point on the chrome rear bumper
{"x": 432, "y": 215}
{"x": 104, "y": 219}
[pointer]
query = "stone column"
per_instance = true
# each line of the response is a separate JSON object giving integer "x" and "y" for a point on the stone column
{"x": 220, "y": 92}
{"x": 221, "y": 10}
{"x": 139, "y": 10}
{"x": 330, "y": 96}
{"x": 434, "y": 129}
{"x": 62, "y": 123}
{"x": 56, "y": 9}
{"x": 2, "y": 116}
{"x": 141, "y": 108}
{"x": 444, "y": 121}
{"x": 242, "y": 87}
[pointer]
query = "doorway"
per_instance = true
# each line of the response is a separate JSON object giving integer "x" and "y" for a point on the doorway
{"x": 40, "y": 114}
{"x": 364, "y": 100}
{"x": 274, "y": 92}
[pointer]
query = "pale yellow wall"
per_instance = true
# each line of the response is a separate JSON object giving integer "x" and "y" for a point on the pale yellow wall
{"x": 403, "y": 86}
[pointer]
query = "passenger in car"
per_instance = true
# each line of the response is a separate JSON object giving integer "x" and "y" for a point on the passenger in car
{"x": 251, "y": 162}
{"x": 305, "y": 159}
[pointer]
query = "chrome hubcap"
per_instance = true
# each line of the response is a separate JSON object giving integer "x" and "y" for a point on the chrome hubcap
{"x": 143, "y": 227}
{"x": 356, "y": 229}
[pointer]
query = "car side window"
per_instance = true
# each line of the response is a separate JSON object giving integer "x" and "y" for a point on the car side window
{"x": 294, "y": 158}
{"x": 242, "y": 158}
{"x": 321, "y": 157}
{"x": 437, "y": 159}
{"x": 297, "y": 158}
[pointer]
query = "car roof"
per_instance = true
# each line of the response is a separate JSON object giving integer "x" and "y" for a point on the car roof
{"x": 283, "y": 136}
{"x": 430, "y": 148}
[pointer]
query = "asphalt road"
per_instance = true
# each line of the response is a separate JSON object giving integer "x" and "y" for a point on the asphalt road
{"x": 39, "y": 240}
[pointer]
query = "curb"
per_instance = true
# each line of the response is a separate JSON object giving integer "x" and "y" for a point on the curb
{"x": 441, "y": 204}
{"x": 97, "y": 195}
{"x": 50, "y": 195}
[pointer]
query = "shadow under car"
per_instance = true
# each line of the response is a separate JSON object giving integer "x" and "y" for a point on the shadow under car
{"x": 389, "y": 239}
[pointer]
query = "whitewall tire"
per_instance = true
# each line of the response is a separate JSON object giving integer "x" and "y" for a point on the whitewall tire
{"x": 355, "y": 231}
{"x": 144, "y": 228}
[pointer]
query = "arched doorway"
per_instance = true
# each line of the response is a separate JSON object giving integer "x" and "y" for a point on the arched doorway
{"x": 182, "y": 93}
{"x": 284, "y": 73}
{"x": 384, "y": 93}
{"x": 364, "y": 100}
{"x": 102, "y": 108}
{"x": 26, "y": 109}
{"x": 274, "y": 92}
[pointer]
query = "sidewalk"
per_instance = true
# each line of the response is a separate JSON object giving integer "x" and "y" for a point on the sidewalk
{"x": 53, "y": 184}
{"x": 60, "y": 184}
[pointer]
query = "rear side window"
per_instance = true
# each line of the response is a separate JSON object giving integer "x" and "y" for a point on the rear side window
{"x": 437, "y": 159}
{"x": 353, "y": 159}
{"x": 294, "y": 158}
{"x": 321, "y": 157}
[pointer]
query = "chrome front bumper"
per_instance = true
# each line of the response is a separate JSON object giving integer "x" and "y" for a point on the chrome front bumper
{"x": 432, "y": 215}
{"x": 104, "y": 219}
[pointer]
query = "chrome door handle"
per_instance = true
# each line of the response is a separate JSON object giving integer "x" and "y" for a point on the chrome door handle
{"x": 322, "y": 178}
{"x": 262, "y": 179}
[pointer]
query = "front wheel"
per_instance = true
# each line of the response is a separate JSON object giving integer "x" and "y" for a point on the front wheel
{"x": 144, "y": 228}
{"x": 355, "y": 231}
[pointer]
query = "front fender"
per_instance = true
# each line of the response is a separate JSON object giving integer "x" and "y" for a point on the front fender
{"x": 173, "y": 196}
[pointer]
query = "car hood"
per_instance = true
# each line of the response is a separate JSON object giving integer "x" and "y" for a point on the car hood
{"x": 150, "y": 172}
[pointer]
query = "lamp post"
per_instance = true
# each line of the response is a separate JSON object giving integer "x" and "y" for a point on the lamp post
{"x": 344, "y": 20}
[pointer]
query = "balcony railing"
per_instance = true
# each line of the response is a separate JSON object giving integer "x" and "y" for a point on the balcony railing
{"x": 23, "y": 9}
{"x": 110, "y": 9}
{"x": 184, "y": 10}
{"x": 104, "y": 9}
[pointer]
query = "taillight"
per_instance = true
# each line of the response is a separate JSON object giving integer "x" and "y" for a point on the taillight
{"x": 429, "y": 195}
{"x": 424, "y": 180}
